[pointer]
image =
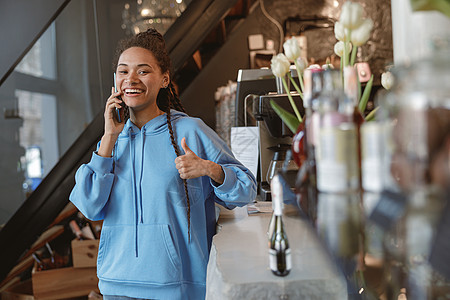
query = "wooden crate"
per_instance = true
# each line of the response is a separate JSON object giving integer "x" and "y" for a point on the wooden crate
{"x": 84, "y": 253}
{"x": 20, "y": 291}
{"x": 64, "y": 283}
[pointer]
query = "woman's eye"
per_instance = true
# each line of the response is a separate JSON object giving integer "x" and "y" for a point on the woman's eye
{"x": 143, "y": 72}
{"x": 122, "y": 72}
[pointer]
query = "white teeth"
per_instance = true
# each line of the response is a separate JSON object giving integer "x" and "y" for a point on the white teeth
{"x": 133, "y": 91}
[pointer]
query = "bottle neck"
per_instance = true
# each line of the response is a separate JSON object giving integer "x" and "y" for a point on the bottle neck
{"x": 277, "y": 208}
{"x": 277, "y": 195}
{"x": 278, "y": 223}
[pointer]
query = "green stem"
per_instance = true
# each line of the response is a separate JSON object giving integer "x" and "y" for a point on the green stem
{"x": 354, "y": 51}
{"x": 295, "y": 85}
{"x": 365, "y": 95}
{"x": 294, "y": 107}
{"x": 300, "y": 76}
{"x": 346, "y": 54}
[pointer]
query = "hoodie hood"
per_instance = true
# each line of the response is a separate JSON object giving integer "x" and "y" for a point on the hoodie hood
{"x": 154, "y": 126}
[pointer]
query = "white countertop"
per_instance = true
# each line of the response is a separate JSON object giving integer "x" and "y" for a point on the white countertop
{"x": 239, "y": 262}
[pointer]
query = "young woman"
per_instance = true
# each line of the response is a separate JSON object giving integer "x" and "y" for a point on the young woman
{"x": 154, "y": 180}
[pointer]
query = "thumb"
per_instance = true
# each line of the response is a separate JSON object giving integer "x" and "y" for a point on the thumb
{"x": 185, "y": 146}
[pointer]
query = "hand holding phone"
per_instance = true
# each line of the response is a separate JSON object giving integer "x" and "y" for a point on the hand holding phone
{"x": 118, "y": 116}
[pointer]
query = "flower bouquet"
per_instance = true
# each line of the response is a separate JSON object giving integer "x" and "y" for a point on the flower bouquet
{"x": 351, "y": 31}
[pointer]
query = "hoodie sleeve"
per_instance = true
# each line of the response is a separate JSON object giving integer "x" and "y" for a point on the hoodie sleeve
{"x": 239, "y": 186}
{"x": 93, "y": 183}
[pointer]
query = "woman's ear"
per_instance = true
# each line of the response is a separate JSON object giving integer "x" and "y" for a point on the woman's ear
{"x": 166, "y": 80}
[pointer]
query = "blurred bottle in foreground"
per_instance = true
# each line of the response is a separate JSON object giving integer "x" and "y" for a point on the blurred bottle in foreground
{"x": 336, "y": 153}
{"x": 417, "y": 110}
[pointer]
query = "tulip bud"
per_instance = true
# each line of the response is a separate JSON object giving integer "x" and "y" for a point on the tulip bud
{"x": 291, "y": 49}
{"x": 339, "y": 48}
{"x": 361, "y": 35}
{"x": 302, "y": 64}
{"x": 387, "y": 80}
{"x": 280, "y": 65}
{"x": 351, "y": 15}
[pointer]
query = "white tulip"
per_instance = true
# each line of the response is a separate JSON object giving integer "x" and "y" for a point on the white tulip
{"x": 339, "y": 48}
{"x": 340, "y": 32}
{"x": 302, "y": 64}
{"x": 292, "y": 49}
{"x": 387, "y": 80}
{"x": 351, "y": 15}
{"x": 360, "y": 35}
{"x": 280, "y": 65}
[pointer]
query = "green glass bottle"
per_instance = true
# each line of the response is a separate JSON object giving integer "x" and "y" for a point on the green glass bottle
{"x": 279, "y": 250}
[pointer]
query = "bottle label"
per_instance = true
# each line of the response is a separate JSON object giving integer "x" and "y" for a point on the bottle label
{"x": 288, "y": 259}
{"x": 273, "y": 259}
{"x": 371, "y": 156}
{"x": 337, "y": 158}
{"x": 273, "y": 263}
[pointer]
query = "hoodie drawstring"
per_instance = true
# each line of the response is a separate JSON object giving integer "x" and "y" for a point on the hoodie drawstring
{"x": 133, "y": 188}
{"x": 140, "y": 175}
{"x": 137, "y": 194}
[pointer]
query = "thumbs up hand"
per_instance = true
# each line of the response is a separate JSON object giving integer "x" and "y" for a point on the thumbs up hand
{"x": 191, "y": 166}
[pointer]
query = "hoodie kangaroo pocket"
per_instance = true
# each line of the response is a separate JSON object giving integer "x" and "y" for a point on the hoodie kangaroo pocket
{"x": 156, "y": 260}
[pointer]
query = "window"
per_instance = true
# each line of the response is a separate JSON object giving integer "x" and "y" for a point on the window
{"x": 38, "y": 136}
{"x": 40, "y": 61}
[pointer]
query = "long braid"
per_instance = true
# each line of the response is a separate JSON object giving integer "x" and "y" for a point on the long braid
{"x": 177, "y": 152}
{"x": 175, "y": 100}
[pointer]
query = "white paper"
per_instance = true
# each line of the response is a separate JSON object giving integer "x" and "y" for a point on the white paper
{"x": 245, "y": 146}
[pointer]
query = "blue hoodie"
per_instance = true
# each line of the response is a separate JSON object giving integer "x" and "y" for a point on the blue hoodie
{"x": 144, "y": 249}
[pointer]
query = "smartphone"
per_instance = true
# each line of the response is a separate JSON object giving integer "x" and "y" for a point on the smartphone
{"x": 118, "y": 117}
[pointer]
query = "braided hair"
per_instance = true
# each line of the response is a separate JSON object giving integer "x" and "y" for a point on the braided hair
{"x": 167, "y": 98}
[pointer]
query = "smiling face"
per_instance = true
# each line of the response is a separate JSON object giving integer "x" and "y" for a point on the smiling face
{"x": 139, "y": 77}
